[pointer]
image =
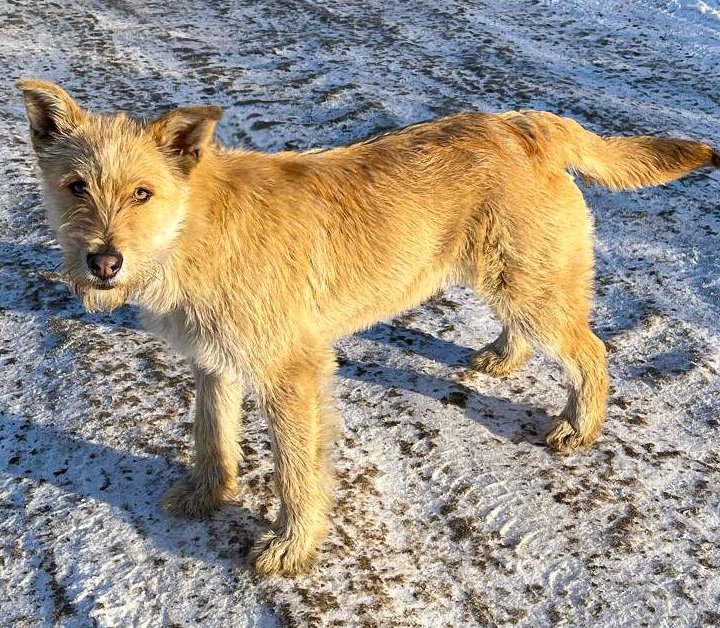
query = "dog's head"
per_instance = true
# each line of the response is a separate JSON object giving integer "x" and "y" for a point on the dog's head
{"x": 115, "y": 188}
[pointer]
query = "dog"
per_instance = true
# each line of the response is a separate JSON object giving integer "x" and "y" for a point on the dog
{"x": 253, "y": 264}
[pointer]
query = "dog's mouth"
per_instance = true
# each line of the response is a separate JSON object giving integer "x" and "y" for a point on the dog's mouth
{"x": 103, "y": 285}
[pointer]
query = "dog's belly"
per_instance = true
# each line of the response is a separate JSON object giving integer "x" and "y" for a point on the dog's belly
{"x": 378, "y": 301}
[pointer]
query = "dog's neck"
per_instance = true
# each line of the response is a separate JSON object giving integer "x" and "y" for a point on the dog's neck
{"x": 196, "y": 243}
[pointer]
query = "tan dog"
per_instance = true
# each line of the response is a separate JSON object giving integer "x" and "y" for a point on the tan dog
{"x": 252, "y": 264}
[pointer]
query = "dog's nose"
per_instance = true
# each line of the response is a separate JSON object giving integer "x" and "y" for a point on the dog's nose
{"x": 104, "y": 265}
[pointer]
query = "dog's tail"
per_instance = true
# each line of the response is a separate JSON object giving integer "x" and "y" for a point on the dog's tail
{"x": 621, "y": 163}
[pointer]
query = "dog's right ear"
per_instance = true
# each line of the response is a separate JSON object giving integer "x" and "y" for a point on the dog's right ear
{"x": 50, "y": 110}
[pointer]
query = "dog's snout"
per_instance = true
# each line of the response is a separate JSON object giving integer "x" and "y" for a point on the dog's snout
{"x": 104, "y": 265}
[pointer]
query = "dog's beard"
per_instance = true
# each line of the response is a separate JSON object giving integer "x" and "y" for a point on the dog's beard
{"x": 98, "y": 299}
{"x": 95, "y": 300}
{"x": 99, "y": 296}
{"x": 105, "y": 298}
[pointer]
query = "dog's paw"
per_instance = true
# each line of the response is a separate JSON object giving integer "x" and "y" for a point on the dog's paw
{"x": 282, "y": 555}
{"x": 490, "y": 362}
{"x": 564, "y": 438}
{"x": 185, "y": 499}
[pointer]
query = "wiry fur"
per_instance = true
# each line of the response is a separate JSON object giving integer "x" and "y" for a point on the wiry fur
{"x": 252, "y": 264}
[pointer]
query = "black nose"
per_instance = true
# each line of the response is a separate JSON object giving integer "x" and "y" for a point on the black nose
{"x": 104, "y": 265}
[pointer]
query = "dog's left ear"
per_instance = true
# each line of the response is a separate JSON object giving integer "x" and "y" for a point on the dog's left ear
{"x": 185, "y": 132}
{"x": 51, "y": 111}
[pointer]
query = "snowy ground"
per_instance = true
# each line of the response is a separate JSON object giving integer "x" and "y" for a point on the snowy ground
{"x": 450, "y": 511}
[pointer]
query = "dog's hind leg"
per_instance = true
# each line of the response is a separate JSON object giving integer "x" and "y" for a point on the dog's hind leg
{"x": 507, "y": 353}
{"x": 583, "y": 356}
{"x": 538, "y": 279}
{"x": 302, "y": 421}
{"x": 217, "y": 451}
{"x": 561, "y": 329}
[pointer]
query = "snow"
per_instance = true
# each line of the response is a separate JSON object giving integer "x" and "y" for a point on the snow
{"x": 450, "y": 511}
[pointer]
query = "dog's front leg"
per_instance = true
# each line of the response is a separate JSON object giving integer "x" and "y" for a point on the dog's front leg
{"x": 300, "y": 421}
{"x": 217, "y": 451}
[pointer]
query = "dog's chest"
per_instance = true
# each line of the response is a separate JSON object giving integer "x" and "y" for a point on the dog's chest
{"x": 198, "y": 336}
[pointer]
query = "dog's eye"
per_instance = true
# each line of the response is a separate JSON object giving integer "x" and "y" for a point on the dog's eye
{"x": 141, "y": 195}
{"x": 78, "y": 188}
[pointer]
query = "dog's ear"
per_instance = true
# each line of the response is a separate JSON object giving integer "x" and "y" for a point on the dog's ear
{"x": 185, "y": 132}
{"x": 50, "y": 110}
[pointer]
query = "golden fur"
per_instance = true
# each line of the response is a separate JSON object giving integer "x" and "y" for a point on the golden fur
{"x": 252, "y": 264}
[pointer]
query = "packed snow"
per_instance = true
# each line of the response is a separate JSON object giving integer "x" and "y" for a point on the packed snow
{"x": 450, "y": 510}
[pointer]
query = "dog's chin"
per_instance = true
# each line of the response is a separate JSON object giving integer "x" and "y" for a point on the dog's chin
{"x": 104, "y": 298}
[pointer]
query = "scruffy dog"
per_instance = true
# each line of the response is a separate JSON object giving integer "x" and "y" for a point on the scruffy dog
{"x": 252, "y": 264}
